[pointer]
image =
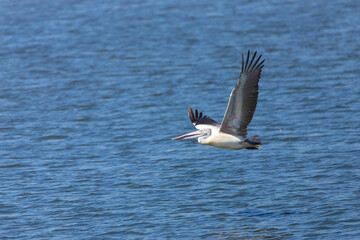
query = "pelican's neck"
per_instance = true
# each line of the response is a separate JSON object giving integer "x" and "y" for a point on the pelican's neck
{"x": 204, "y": 139}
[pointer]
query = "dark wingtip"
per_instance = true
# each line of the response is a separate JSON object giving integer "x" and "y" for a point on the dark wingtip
{"x": 242, "y": 62}
{"x": 191, "y": 114}
{"x": 247, "y": 59}
{"x": 252, "y": 60}
{"x": 197, "y": 117}
{"x": 250, "y": 65}
{"x": 261, "y": 63}
{"x": 256, "y": 65}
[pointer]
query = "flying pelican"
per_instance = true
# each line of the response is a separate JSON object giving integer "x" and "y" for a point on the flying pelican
{"x": 231, "y": 134}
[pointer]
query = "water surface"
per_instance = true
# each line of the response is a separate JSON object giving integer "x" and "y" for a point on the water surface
{"x": 92, "y": 92}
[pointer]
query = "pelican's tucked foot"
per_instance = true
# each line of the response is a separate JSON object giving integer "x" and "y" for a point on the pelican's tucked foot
{"x": 254, "y": 142}
{"x": 253, "y": 148}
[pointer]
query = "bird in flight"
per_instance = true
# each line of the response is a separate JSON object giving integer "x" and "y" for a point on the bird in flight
{"x": 232, "y": 133}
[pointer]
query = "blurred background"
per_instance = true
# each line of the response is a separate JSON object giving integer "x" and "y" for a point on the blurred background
{"x": 91, "y": 93}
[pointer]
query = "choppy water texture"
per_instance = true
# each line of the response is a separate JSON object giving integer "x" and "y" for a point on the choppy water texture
{"x": 92, "y": 92}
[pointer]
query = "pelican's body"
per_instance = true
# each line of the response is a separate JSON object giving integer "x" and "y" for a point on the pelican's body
{"x": 232, "y": 132}
{"x": 223, "y": 140}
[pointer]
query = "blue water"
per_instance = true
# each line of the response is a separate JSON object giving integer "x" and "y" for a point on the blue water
{"x": 91, "y": 93}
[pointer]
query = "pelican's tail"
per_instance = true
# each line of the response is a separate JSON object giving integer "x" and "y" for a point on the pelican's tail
{"x": 253, "y": 142}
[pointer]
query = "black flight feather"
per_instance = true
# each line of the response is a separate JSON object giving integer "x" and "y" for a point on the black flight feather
{"x": 198, "y": 118}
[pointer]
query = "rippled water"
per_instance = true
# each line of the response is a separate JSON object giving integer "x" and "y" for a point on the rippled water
{"x": 92, "y": 92}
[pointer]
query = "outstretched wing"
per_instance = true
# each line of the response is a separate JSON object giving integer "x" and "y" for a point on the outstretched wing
{"x": 243, "y": 98}
{"x": 198, "y": 118}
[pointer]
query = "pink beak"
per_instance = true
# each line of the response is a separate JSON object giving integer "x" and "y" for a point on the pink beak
{"x": 195, "y": 134}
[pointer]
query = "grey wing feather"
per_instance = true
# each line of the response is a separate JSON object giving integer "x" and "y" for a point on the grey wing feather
{"x": 243, "y": 98}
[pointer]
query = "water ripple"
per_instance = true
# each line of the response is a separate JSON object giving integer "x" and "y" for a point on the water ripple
{"x": 91, "y": 95}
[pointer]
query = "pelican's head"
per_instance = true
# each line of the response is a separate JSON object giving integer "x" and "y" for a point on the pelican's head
{"x": 201, "y": 134}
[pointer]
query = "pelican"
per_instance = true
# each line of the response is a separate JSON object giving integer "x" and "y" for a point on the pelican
{"x": 232, "y": 133}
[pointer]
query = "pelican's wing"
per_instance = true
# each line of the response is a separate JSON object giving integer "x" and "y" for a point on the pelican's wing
{"x": 243, "y": 98}
{"x": 198, "y": 118}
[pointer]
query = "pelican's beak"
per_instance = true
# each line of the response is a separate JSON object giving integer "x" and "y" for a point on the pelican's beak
{"x": 195, "y": 134}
